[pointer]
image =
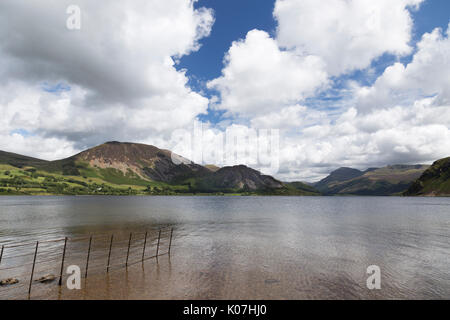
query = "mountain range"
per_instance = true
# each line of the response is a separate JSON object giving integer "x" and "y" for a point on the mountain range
{"x": 131, "y": 168}
{"x": 390, "y": 180}
{"x": 117, "y": 168}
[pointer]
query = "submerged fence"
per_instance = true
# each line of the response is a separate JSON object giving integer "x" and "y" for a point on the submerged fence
{"x": 23, "y": 265}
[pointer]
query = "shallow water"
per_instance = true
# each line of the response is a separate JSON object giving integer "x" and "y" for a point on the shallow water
{"x": 234, "y": 247}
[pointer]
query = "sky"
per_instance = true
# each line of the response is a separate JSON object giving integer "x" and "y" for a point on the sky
{"x": 356, "y": 83}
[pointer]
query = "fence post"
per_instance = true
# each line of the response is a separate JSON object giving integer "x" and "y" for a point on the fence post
{"x": 109, "y": 255}
{"x": 170, "y": 242}
{"x": 1, "y": 253}
{"x": 32, "y": 269}
{"x": 88, "y": 255}
{"x": 145, "y": 243}
{"x": 157, "y": 246}
{"x": 128, "y": 252}
{"x": 62, "y": 262}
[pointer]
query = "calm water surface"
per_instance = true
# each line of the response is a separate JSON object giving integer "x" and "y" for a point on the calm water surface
{"x": 243, "y": 247}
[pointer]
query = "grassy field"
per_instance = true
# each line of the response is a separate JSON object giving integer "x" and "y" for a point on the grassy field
{"x": 30, "y": 181}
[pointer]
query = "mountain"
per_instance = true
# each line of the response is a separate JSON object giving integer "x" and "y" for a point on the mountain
{"x": 434, "y": 182}
{"x": 130, "y": 168}
{"x": 303, "y": 187}
{"x": 385, "y": 181}
{"x": 139, "y": 161}
{"x": 339, "y": 175}
{"x": 238, "y": 178}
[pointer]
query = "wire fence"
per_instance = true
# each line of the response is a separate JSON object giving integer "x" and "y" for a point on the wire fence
{"x": 23, "y": 265}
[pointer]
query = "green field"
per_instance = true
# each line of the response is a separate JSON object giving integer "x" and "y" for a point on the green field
{"x": 30, "y": 181}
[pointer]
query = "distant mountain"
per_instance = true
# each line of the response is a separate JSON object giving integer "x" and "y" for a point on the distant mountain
{"x": 244, "y": 179}
{"x": 237, "y": 178}
{"x": 385, "y": 181}
{"x": 130, "y": 168}
{"x": 303, "y": 187}
{"x": 339, "y": 175}
{"x": 434, "y": 182}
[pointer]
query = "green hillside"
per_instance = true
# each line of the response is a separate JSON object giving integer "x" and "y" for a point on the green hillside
{"x": 302, "y": 187}
{"x": 434, "y": 182}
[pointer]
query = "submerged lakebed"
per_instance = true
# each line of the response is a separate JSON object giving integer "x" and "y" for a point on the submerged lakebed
{"x": 248, "y": 247}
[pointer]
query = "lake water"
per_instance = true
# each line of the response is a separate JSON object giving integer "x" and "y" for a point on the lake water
{"x": 239, "y": 247}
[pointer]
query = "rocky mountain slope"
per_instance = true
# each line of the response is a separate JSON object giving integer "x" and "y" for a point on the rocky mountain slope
{"x": 434, "y": 182}
{"x": 238, "y": 178}
{"x": 140, "y": 160}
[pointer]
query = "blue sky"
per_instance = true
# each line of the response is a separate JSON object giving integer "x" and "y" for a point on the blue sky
{"x": 234, "y": 18}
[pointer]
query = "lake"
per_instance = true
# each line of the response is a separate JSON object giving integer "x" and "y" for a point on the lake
{"x": 238, "y": 247}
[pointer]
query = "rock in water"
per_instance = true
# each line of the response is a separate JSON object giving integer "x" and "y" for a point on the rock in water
{"x": 8, "y": 282}
{"x": 46, "y": 279}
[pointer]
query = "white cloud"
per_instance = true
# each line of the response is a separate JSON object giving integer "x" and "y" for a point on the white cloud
{"x": 426, "y": 75}
{"x": 291, "y": 117}
{"x": 123, "y": 81}
{"x": 347, "y": 34}
{"x": 258, "y": 77}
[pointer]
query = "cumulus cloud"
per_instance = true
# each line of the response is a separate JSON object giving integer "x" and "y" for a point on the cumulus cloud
{"x": 293, "y": 117}
{"x": 426, "y": 75}
{"x": 347, "y": 34}
{"x": 116, "y": 77}
{"x": 258, "y": 77}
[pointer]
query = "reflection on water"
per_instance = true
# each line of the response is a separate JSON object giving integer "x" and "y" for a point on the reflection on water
{"x": 252, "y": 247}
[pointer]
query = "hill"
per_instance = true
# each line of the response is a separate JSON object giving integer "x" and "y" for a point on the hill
{"x": 339, "y": 175}
{"x": 434, "y": 182}
{"x": 137, "y": 161}
{"x": 20, "y": 161}
{"x": 385, "y": 181}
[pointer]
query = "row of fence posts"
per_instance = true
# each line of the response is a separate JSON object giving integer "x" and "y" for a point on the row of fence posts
{"x": 89, "y": 253}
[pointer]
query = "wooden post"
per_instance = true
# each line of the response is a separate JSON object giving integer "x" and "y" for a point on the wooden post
{"x": 157, "y": 246}
{"x": 62, "y": 262}
{"x": 32, "y": 269}
{"x": 88, "y": 255}
{"x": 1, "y": 253}
{"x": 109, "y": 255}
{"x": 128, "y": 252}
{"x": 143, "y": 251}
{"x": 170, "y": 242}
